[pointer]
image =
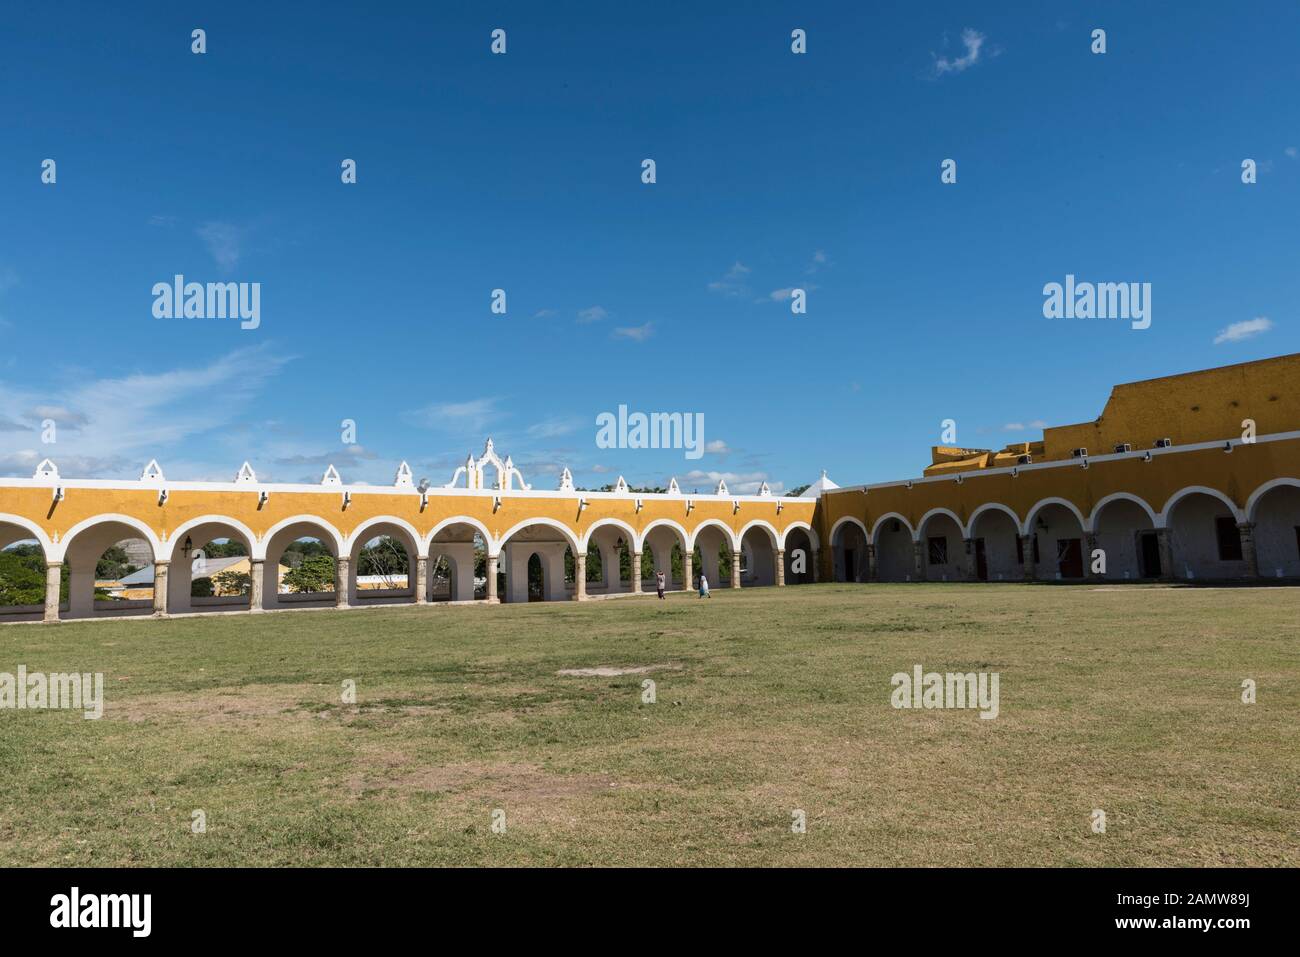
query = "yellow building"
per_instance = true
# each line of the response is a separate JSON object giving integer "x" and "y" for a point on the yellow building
{"x": 1192, "y": 477}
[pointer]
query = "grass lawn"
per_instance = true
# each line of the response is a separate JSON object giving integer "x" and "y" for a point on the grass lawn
{"x": 1125, "y": 699}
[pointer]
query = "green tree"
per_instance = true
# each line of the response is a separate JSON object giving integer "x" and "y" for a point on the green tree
{"x": 233, "y": 583}
{"x": 313, "y": 574}
{"x": 113, "y": 564}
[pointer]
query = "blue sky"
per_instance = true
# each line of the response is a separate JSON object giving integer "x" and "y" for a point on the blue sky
{"x": 522, "y": 172}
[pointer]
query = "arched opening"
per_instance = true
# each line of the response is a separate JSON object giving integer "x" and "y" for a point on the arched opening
{"x": 211, "y": 569}
{"x": 663, "y": 550}
{"x": 22, "y": 575}
{"x": 1204, "y": 540}
{"x": 1277, "y": 531}
{"x": 110, "y": 571}
{"x": 996, "y": 543}
{"x": 457, "y": 567}
{"x": 758, "y": 556}
{"x": 849, "y": 552}
{"x": 301, "y": 568}
{"x": 609, "y": 561}
{"x": 548, "y": 543}
{"x": 1127, "y": 537}
{"x": 894, "y": 554}
{"x": 536, "y": 578}
{"x": 1057, "y": 542}
{"x": 712, "y": 557}
{"x": 943, "y": 550}
{"x": 798, "y": 557}
{"x": 383, "y": 559}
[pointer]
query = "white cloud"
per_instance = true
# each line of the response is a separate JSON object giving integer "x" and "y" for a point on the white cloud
{"x": 554, "y": 427}
{"x": 777, "y": 295}
{"x": 635, "y": 333}
{"x": 742, "y": 483}
{"x": 1024, "y": 426}
{"x": 973, "y": 41}
{"x": 592, "y": 314}
{"x": 717, "y": 447}
{"x": 224, "y": 242}
{"x": 545, "y": 314}
{"x": 111, "y": 427}
{"x": 733, "y": 283}
{"x": 1292, "y": 152}
{"x": 1247, "y": 329}
{"x": 459, "y": 417}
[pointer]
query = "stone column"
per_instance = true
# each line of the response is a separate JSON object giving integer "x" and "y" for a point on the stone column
{"x": 873, "y": 571}
{"x": 636, "y": 573}
{"x": 1166, "y": 554}
{"x": 492, "y": 580}
{"x": 816, "y": 565}
{"x": 688, "y": 559}
{"x": 257, "y": 572}
{"x": 53, "y": 582}
{"x": 421, "y": 580}
{"x": 972, "y": 569}
{"x": 918, "y": 561}
{"x": 735, "y": 568}
{"x": 1027, "y": 555}
{"x": 342, "y": 580}
{"x": 580, "y": 576}
{"x": 1247, "y": 532}
{"x": 160, "y": 589}
{"x": 780, "y": 567}
{"x": 1090, "y": 546}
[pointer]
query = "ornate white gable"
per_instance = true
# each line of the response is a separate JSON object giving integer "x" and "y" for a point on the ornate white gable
{"x": 245, "y": 475}
{"x": 566, "y": 481}
{"x": 404, "y": 478}
{"x": 722, "y": 487}
{"x": 46, "y": 470}
{"x": 673, "y": 488}
{"x": 621, "y": 486}
{"x": 152, "y": 472}
{"x": 331, "y": 477}
{"x": 474, "y": 471}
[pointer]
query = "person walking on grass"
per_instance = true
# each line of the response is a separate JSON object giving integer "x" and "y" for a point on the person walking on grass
{"x": 659, "y": 582}
{"x": 704, "y": 586}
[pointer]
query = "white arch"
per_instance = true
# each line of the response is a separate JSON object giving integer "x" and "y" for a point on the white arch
{"x": 812, "y": 532}
{"x": 1125, "y": 497}
{"x": 1182, "y": 493}
{"x": 715, "y": 523}
{"x": 494, "y": 548}
{"x": 474, "y": 523}
{"x": 774, "y": 537}
{"x": 1084, "y": 523}
{"x": 1251, "y": 503}
{"x": 683, "y": 536}
{"x": 991, "y": 507}
{"x": 618, "y": 523}
{"x": 47, "y": 546}
{"x": 834, "y": 528}
{"x": 875, "y": 529}
{"x": 259, "y": 547}
{"x": 178, "y": 535}
{"x": 145, "y": 531}
{"x": 920, "y": 526}
{"x": 417, "y": 539}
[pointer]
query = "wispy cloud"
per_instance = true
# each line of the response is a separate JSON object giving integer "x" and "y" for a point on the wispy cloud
{"x": 1292, "y": 152}
{"x": 112, "y": 426}
{"x": 973, "y": 41}
{"x": 545, "y": 314}
{"x": 635, "y": 333}
{"x": 554, "y": 427}
{"x": 733, "y": 283}
{"x": 1247, "y": 329}
{"x": 592, "y": 314}
{"x": 224, "y": 242}
{"x": 1024, "y": 426}
{"x": 458, "y": 417}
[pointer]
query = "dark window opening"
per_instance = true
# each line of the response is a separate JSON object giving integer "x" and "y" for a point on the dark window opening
{"x": 938, "y": 551}
{"x": 1225, "y": 529}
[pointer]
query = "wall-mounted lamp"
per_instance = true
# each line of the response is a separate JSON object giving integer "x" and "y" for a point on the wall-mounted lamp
{"x": 162, "y": 496}
{"x": 58, "y": 493}
{"x": 347, "y": 500}
{"x": 262, "y": 496}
